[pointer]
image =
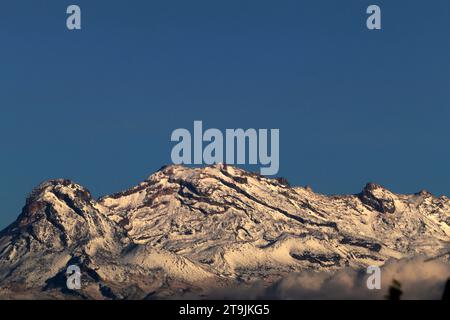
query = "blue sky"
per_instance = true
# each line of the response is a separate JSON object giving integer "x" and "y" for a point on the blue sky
{"x": 98, "y": 105}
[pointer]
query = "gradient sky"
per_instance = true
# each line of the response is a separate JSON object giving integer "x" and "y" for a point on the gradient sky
{"x": 98, "y": 105}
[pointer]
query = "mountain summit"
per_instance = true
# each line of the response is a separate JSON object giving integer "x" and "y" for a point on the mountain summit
{"x": 188, "y": 230}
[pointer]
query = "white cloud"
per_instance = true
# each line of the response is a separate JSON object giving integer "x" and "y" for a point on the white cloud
{"x": 419, "y": 280}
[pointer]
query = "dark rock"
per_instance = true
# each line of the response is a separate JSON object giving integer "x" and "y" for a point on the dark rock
{"x": 368, "y": 197}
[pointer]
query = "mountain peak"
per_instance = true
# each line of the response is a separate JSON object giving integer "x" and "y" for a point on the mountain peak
{"x": 59, "y": 186}
{"x": 373, "y": 186}
{"x": 378, "y": 198}
{"x": 424, "y": 193}
{"x": 60, "y": 213}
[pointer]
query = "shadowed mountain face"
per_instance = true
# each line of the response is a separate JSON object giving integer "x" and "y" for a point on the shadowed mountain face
{"x": 185, "y": 231}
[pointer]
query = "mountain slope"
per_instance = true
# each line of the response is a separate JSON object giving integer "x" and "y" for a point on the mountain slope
{"x": 186, "y": 230}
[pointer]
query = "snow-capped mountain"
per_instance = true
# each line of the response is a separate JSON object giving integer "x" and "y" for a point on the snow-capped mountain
{"x": 187, "y": 230}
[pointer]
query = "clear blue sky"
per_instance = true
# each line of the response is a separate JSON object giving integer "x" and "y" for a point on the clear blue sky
{"x": 98, "y": 105}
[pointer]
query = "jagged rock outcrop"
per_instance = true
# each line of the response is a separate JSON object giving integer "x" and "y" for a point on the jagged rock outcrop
{"x": 378, "y": 198}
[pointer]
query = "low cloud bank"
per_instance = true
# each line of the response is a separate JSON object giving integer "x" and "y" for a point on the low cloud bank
{"x": 419, "y": 280}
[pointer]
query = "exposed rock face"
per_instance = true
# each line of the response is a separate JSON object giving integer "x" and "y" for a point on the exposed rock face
{"x": 187, "y": 230}
{"x": 378, "y": 198}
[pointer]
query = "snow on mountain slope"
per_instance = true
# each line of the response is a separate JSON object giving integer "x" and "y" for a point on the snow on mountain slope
{"x": 186, "y": 229}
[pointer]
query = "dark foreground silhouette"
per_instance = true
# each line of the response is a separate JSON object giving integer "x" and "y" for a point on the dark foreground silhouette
{"x": 395, "y": 291}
